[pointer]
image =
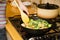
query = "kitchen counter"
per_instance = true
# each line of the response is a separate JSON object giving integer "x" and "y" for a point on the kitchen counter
{"x": 12, "y": 31}
{"x": 9, "y": 27}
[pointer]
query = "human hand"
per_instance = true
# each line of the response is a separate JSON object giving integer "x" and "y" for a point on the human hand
{"x": 22, "y": 7}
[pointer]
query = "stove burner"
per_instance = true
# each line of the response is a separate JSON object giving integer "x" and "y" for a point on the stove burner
{"x": 53, "y": 34}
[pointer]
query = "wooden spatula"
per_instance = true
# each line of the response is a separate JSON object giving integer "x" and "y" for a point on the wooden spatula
{"x": 24, "y": 17}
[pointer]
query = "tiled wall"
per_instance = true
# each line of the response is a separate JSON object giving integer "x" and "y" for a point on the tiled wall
{"x": 52, "y": 1}
{"x": 36, "y": 1}
{"x": 45, "y": 1}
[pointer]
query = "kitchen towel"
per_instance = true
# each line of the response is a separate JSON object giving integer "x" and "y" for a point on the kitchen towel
{"x": 2, "y": 14}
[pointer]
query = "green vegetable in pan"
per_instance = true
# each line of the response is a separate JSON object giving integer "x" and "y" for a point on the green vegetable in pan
{"x": 38, "y": 24}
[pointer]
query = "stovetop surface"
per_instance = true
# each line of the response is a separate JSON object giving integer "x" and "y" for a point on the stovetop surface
{"x": 53, "y": 34}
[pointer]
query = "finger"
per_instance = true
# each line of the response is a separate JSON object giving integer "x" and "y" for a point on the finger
{"x": 10, "y": 1}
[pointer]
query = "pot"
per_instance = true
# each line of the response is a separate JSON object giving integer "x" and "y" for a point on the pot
{"x": 47, "y": 11}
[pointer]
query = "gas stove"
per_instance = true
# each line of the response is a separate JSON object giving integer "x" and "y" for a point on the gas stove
{"x": 53, "y": 34}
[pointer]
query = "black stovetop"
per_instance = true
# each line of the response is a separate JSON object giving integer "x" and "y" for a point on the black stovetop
{"x": 53, "y": 34}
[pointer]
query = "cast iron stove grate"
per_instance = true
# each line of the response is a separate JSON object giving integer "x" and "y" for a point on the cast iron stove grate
{"x": 53, "y": 34}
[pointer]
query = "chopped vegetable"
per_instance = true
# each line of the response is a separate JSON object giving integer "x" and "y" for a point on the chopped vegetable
{"x": 38, "y": 24}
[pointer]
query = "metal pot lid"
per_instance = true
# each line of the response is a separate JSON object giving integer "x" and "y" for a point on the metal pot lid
{"x": 48, "y": 6}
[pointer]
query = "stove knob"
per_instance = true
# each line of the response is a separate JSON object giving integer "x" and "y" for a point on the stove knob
{"x": 53, "y": 37}
{"x": 37, "y": 38}
{"x": 46, "y": 37}
{"x": 58, "y": 37}
{"x": 31, "y": 38}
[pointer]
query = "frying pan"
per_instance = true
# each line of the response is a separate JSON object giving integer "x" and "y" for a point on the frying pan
{"x": 38, "y": 31}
